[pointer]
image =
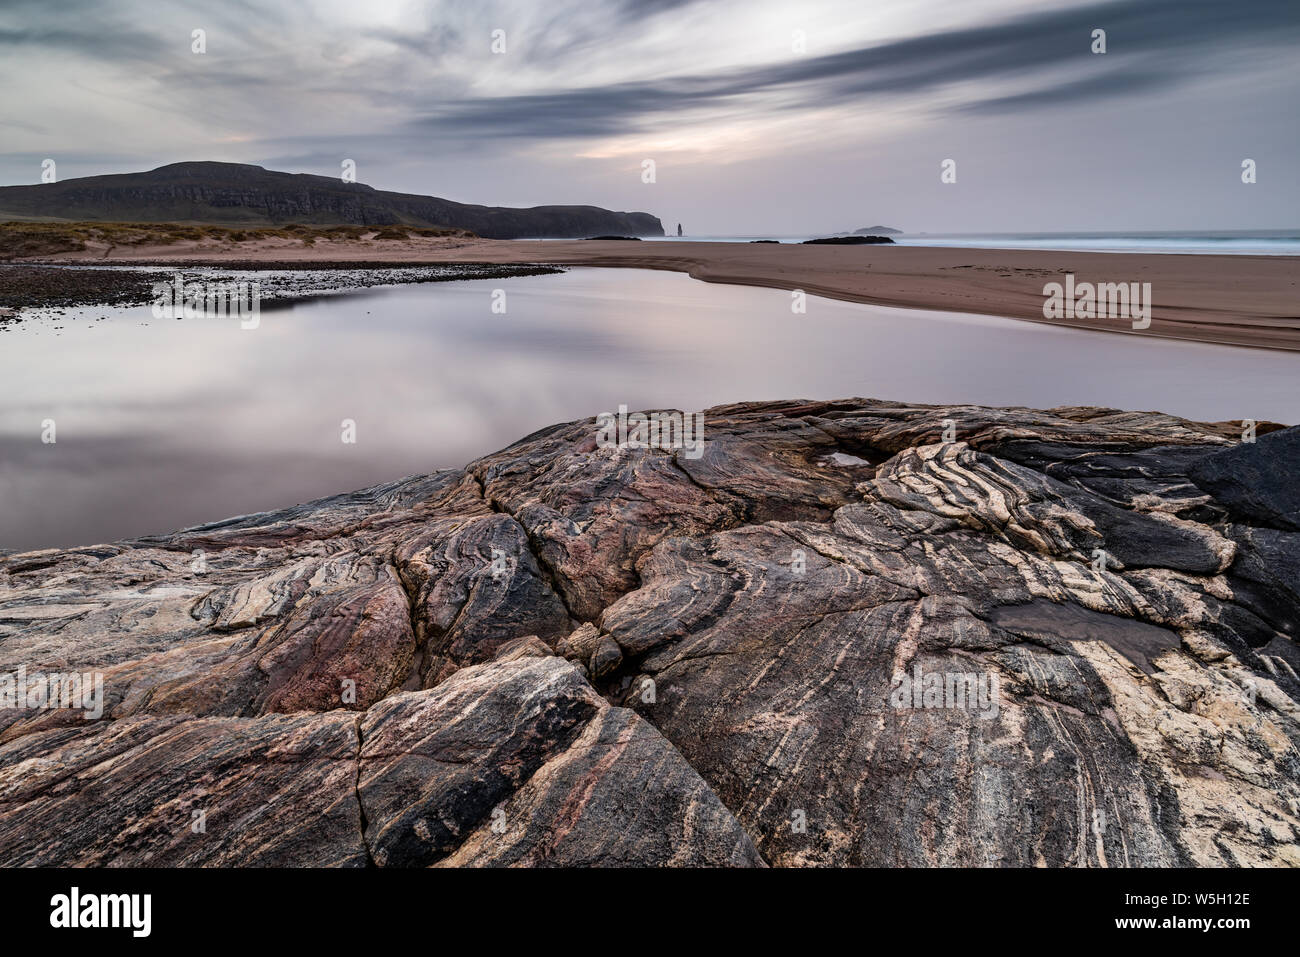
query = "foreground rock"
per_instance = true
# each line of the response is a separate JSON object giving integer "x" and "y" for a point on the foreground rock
{"x": 572, "y": 655}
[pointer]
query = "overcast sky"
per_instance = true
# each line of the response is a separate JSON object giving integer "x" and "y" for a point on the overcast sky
{"x": 752, "y": 131}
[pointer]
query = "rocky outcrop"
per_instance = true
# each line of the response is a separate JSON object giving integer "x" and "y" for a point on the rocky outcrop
{"x": 850, "y": 633}
{"x": 854, "y": 240}
{"x": 242, "y": 194}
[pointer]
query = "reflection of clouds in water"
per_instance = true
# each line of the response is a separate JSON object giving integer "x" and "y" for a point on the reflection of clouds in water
{"x": 173, "y": 423}
{"x": 78, "y": 499}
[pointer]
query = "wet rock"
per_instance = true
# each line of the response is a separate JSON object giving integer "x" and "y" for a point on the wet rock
{"x": 1257, "y": 479}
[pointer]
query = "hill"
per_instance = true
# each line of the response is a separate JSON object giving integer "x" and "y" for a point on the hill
{"x": 236, "y": 193}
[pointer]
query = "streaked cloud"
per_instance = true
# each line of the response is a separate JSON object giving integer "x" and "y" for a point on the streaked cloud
{"x": 414, "y": 93}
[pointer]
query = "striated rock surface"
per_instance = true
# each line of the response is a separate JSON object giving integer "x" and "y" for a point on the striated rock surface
{"x": 850, "y": 633}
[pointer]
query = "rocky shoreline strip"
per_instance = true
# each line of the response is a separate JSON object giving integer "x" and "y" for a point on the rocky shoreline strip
{"x": 38, "y": 287}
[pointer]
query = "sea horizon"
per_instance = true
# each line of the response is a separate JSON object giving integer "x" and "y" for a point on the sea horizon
{"x": 1279, "y": 242}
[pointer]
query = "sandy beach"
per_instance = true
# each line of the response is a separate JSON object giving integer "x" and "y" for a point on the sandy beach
{"x": 1237, "y": 300}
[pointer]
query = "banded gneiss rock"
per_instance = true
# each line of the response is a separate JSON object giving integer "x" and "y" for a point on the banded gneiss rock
{"x": 566, "y": 654}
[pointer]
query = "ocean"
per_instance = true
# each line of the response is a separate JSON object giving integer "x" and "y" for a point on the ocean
{"x": 1256, "y": 243}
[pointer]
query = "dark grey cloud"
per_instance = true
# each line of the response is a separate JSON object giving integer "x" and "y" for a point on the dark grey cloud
{"x": 1150, "y": 43}
{"x": 1026, "y": 62}
{"x": 412, "y": 93}
{"x": 1089, "y": 88}
{"x": 557, "y": 33}
{"x": 124, "y": 34}
{"x": 115, "y": 45}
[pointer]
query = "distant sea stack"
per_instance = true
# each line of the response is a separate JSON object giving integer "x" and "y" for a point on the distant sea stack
{"x": 877, "y": 231}
{"x": 235, "y": 193}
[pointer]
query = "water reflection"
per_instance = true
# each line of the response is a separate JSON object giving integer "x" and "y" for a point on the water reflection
{"x": 162, "y": 424}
